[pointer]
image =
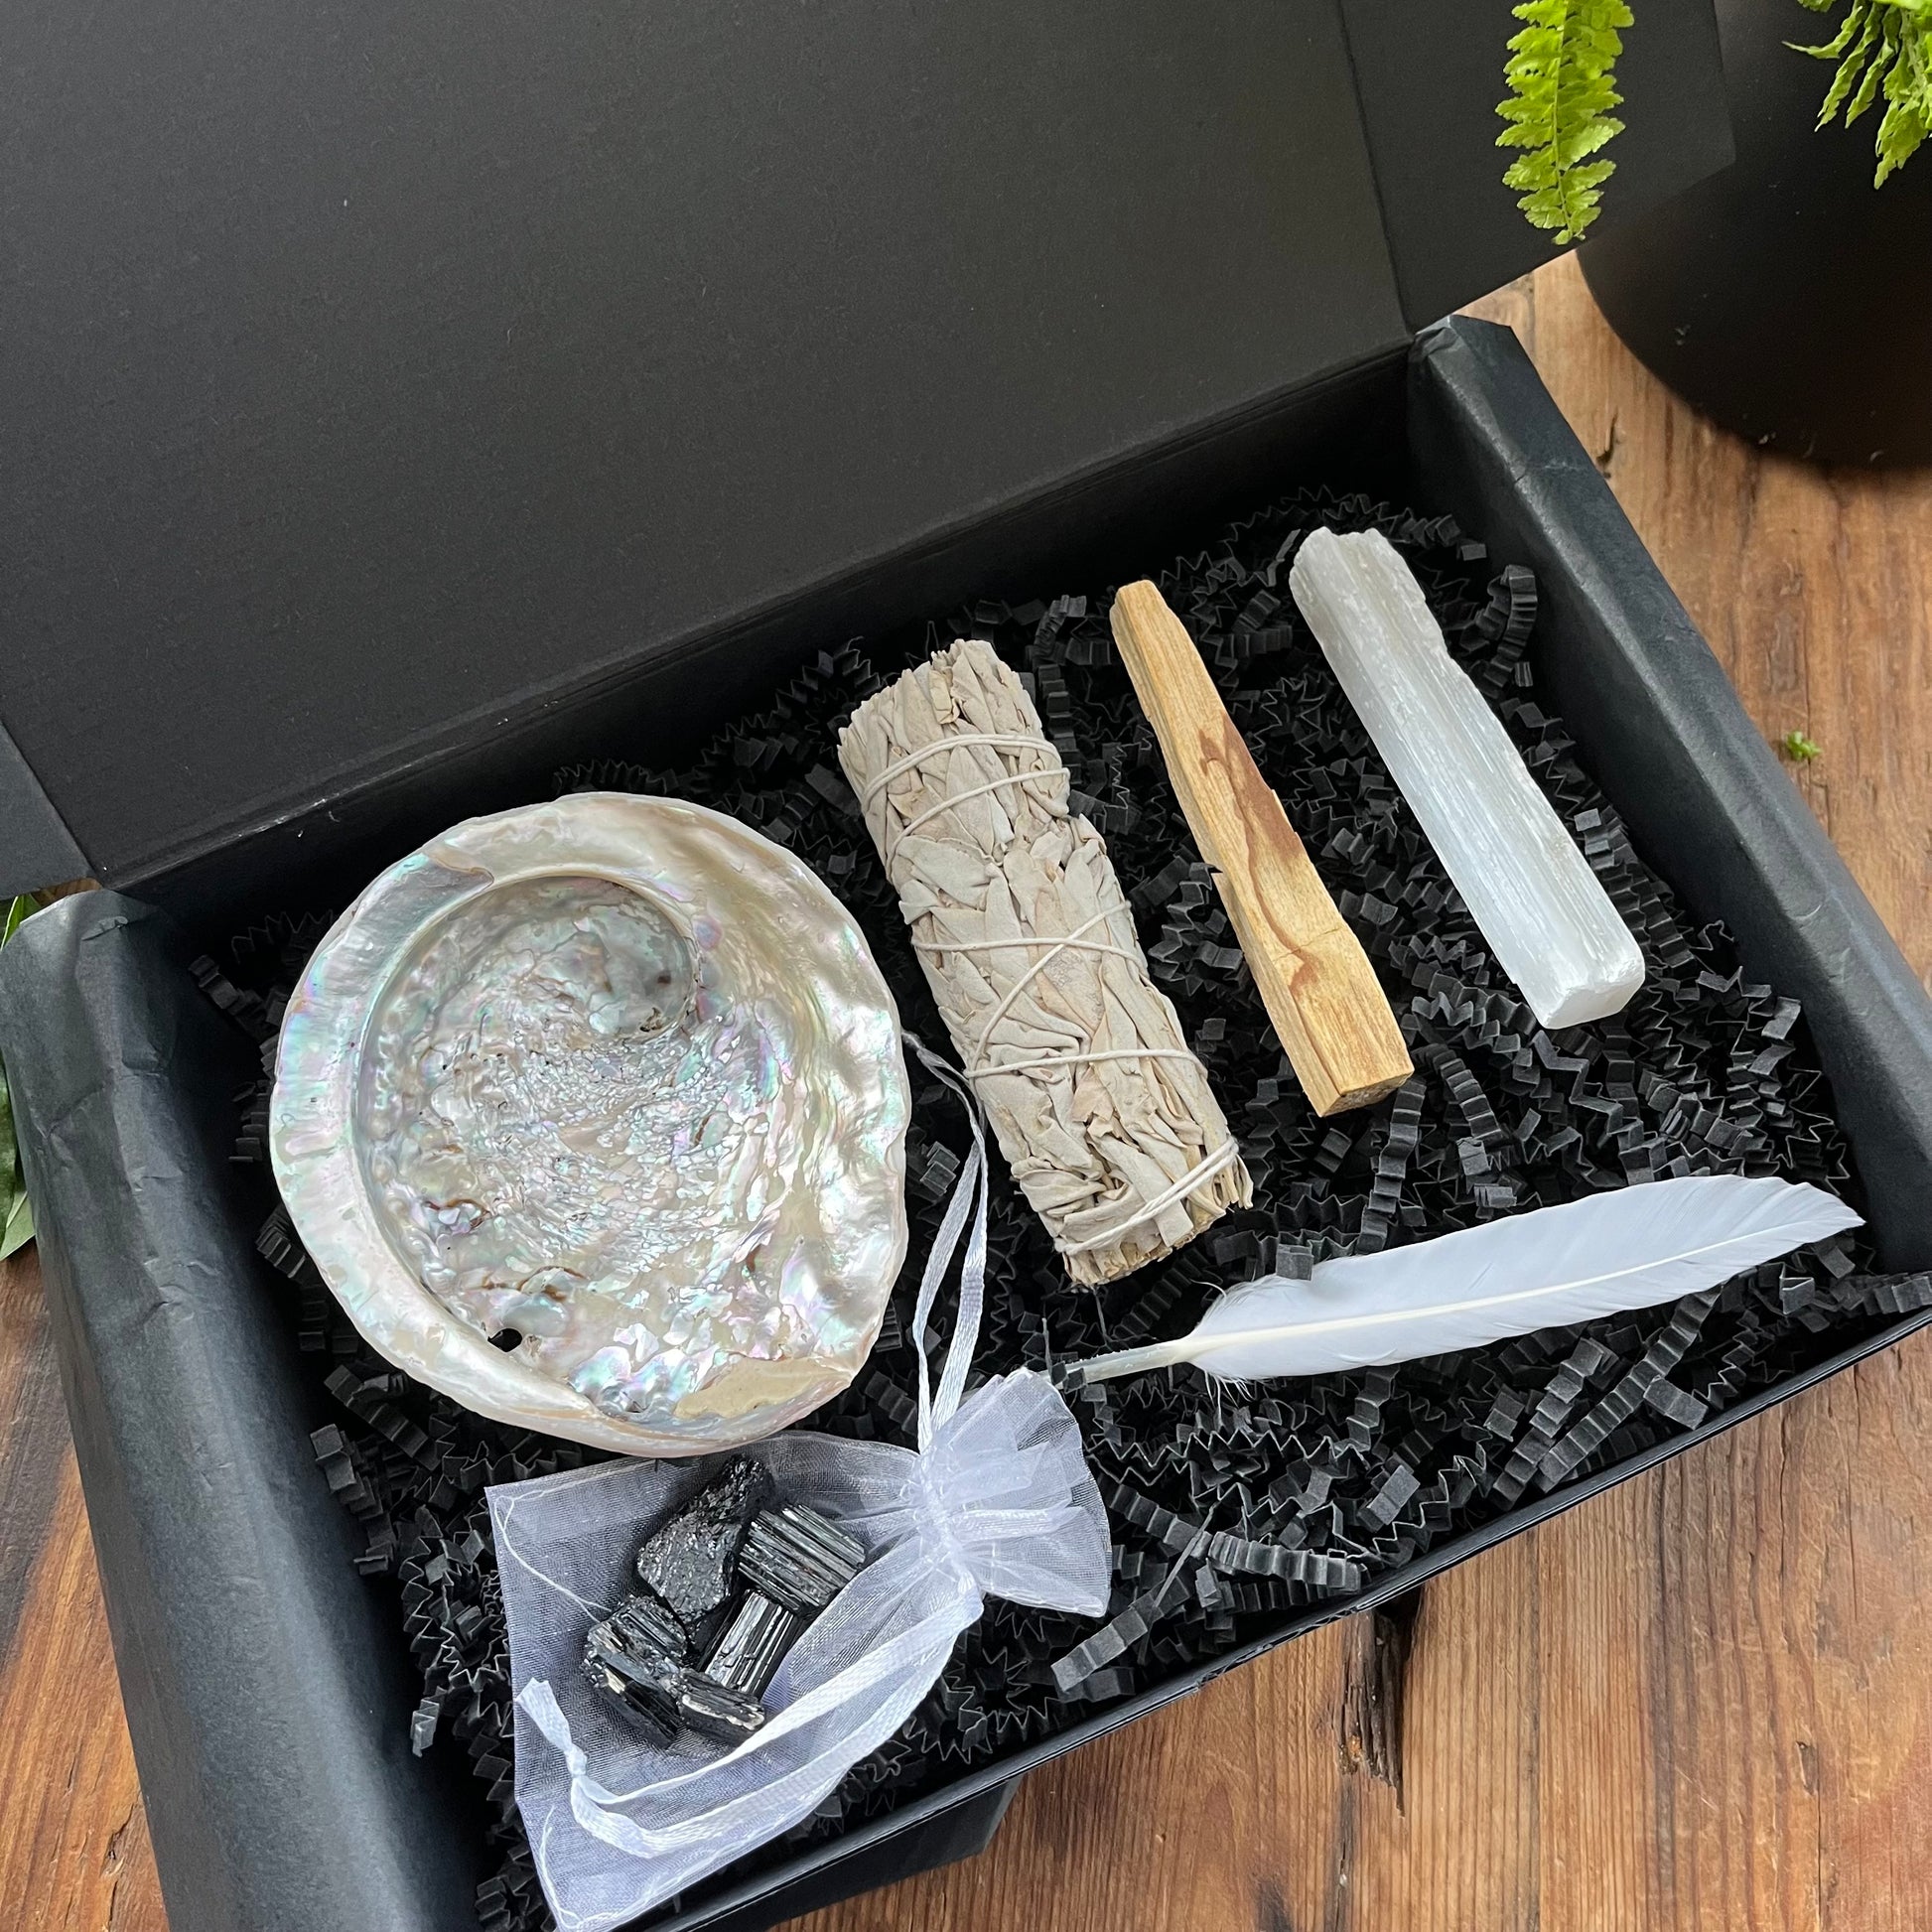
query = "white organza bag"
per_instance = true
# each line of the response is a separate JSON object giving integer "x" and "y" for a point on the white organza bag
{"x": 997, "y": 1502}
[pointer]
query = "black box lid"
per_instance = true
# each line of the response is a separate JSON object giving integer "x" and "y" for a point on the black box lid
{"x": 377, "y": 374}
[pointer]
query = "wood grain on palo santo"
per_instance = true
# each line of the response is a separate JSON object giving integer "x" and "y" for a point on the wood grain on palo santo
{"x": 1330, "y": 1012}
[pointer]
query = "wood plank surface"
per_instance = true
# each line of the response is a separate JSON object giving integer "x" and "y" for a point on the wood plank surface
{"x": 1699, "y": 1704}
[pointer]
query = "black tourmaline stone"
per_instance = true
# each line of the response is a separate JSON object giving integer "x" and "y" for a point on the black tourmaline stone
{"x": 796, "y": 1557}
{"x": 751, "y": 1644}
{"x": 648, "y": 1626}
{"x": 636, "y": 1655}
{"x": 715, "y": 1709}
{"x": 692, "y": 1562}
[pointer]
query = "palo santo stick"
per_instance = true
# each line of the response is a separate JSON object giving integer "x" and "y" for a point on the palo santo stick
{"x": 1330, "y": 1012}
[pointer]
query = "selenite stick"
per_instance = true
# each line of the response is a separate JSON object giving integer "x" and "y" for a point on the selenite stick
{"x": 1544, "y": 912}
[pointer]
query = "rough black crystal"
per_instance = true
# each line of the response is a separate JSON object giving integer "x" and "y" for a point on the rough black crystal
{"x": 716, "y": 1711}
{"x": 751, "y": 1644}
{"x": 647, "y": 1624}
{"x": 691, "y": 1563}
{"x": 689, "y": 1566}
{"x": 625, "y": 1657}
{"x": 799, "y": 1559}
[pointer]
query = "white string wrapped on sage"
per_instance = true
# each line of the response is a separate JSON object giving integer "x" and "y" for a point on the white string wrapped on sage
{"x": 1102, "y": 1112}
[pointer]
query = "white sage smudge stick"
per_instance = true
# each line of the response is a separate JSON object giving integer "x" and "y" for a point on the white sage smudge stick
{"x": 1102, "y": 1112}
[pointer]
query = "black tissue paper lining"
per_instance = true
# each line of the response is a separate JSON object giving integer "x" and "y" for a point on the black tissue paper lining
{"x": 1232, "y": 1507}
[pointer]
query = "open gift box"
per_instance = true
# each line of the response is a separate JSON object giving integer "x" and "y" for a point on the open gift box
{"x": 400, "y": 410}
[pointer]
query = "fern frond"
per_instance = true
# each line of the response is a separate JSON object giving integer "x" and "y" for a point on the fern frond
{"x": 1883, "y": 46}
{"x": 1908, "y": 93}
{"x": 1561, "y": 76}
{"x": 1867, "y": 90}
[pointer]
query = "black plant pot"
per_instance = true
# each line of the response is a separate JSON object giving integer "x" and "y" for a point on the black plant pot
{"x": 1787, "y": 298}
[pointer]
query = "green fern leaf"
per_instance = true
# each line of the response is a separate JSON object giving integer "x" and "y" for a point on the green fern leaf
{"x": 1884, "y": 48}
{"x": 1868, "y": 87}
{"x": 1859, "y": 24}
{"x": 1850, "y": 68}
{"x": 1851, "y": 50}
{"x": 1899, "y": 136}
{"x": 1562, "y": 90}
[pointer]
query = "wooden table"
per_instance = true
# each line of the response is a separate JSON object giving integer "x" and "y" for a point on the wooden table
{"x": 1702, "y": 1701}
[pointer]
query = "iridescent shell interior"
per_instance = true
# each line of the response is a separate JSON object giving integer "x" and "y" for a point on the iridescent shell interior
{"x": 593, "y": 1116}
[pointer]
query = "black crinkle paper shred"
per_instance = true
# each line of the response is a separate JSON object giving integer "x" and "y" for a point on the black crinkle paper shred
{"x": 1233, "y": 1509}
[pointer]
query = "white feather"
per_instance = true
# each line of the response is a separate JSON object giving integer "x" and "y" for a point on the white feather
{"x": 1551, "y": 1268}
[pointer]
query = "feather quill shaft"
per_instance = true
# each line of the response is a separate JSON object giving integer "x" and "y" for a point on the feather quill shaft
{"x": 1555, "y": 1267}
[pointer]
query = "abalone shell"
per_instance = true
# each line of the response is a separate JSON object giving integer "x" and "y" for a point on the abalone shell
{"x": 592, "y": 1115}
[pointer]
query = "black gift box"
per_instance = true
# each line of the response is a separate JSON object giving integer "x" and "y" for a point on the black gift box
{"x": 399, "y": 408}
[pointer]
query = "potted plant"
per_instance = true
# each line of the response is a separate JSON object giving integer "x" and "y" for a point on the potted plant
{"x": 1790, "y": 297}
